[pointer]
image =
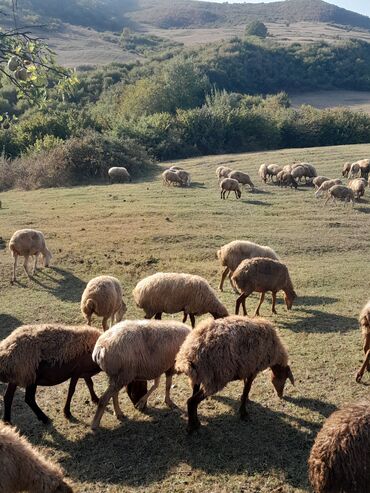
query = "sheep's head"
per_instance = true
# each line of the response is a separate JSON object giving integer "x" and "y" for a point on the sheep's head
{"x": 121, "y": 311}
{"x": 279, "y": 375}
{"x": 47, "y": 257}
{"x": 289, "y": 297}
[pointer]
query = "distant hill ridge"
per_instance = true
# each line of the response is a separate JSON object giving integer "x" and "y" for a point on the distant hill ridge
{"x": 113, "y": 15}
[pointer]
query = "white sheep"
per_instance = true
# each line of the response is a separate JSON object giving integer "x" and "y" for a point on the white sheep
{"x": 103, "y": 296}
{"x": 166, "y": 292}
{"x": 222, "y": 172}
{"x": 358, "y": 186}
{"x": 137, "y": 350}
{"x": 342, "y": 193}
{"x": 242, "y": 178}
{"x": 262, "y": 172}
{"x": 324, "y": 187}
{"x": 25, "y": 243}
{"x": 230, "y": 185}
{"x": 118, "y": 174}
{"x": 273, "y": 170}
{"x": 170, "y": 177}
{"x": 184, "y": 176}
{"x": 361, "y": 167}
{"x": 319, "y": 180}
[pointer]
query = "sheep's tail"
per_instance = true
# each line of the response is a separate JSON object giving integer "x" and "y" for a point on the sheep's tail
{"x": 98, "y": 355}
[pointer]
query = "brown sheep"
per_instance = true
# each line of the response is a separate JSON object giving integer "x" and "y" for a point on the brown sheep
{"x": 340, "y": 457}
{"x": 233, "y": 348}
{"x": 346, "y": 169}
{"x": 285, "y": 178}
{"x": 242, "y": 178}
{"x": 262, "y": 275}
{"x": 230, "y": 185}
{"x": 340, "y": 192}
{"x": 364, "y": 320}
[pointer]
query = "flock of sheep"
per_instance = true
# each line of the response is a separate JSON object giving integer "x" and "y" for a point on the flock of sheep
{"x": 217, "y": 351}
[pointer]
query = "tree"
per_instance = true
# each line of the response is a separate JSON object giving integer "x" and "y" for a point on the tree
{"x": 256, "y": 28}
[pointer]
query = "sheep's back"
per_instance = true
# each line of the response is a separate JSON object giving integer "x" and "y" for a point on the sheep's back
{"x": 235, "y": 252}
{"x": 261, "y": 273}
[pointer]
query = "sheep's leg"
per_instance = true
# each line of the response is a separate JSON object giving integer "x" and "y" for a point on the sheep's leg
{"x": 71, "y": 391}
{"x": 221, "y": 194}
{"x": 227, "y": 196}
{"x": 30, "y": 400}
{"x": 273, "y": 302}
{"x": 257, "y": 312}
{"x": 105, "y": 323}
{"x": 223, "y": 277}
{"x": 140, "y": 405}
{"x": 363, "y": 367}
{"x": 8, "y": 400}
{"x": 184, "y": 318}
{"x": 14, "y": 265}
{"x": 117, "y": 410}
{"x": 239, "y": 301}
{"x": 167, "y": 399}
{"x": 25, "y": 266}
{"x": 192, "y": 319}
{"x": 90, "y": 386}
{"x": 245, "y": 397}
{"x": 35, "y": 264}
{"x": 158, "y": 316}
{"x": 197, "y": 397}
{"x": 103, "y": 401}
{"x": 327, "y": 200}
{"x": 232, "y": 283}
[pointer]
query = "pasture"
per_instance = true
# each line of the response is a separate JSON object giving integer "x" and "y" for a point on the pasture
{"x": 133, "y": 230}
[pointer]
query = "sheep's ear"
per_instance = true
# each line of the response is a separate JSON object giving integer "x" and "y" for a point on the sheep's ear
{"x": 290, "y": 375}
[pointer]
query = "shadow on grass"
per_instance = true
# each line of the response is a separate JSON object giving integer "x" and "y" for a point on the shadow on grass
{"x": 7, "y": 324}
{"x": 64, "y": 285}
{"x": 315, "y": 300}
{"x": 197, "y": 184}
{"x": 259, "y": 191}
{"x": 363, "y": 210}
{"x": 256, "y": 202}
{"x": 314, "y": 321}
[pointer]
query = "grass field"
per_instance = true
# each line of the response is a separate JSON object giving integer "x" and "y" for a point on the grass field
{"x": 134, "y": 230}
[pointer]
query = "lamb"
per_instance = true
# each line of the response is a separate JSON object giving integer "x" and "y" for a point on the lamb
{"x": 242, "y": 178}
{"x": 170, "y": 177}
{"x": 233, "y": 348}
{"x": 231, "y": 254}
{"x": 222, "y": 172}
{"x": 324, "y": 187}
{"x": 262, "y": 172}
{"x": 185, "y": 177}
{"x": 230, "y": 185}
{"x": 262, "y": 275}
{"x": 358, "y": 186}
{"x": 137, "y": 349}
{"x": 340, "y": 459}
{"x": 364, "y": 321}
{"x": 24, "y": 468}
{"x": 340, "y": 192}
{"x": 173, "y": 293}
{"x": 285, "y": 178}
{"x": 47, "y": 355}
{"x": 346, "y": 169}
{"x": 25, "y": 243}
{"x": 273, "y": 170}
{"x": 319, "y": 180}
{"x": 118, "y": 174}
{"x": 103, "y": 296}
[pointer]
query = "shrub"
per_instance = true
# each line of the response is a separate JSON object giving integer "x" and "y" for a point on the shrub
{"x": 256, "y": 28}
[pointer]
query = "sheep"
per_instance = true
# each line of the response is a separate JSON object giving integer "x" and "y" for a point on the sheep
{"x": 339, "y": 460}
{"x": 299, "y": 172}
{"x": 25, "y": 243}
{"x": 287, "y": 168}
{"x": 137, "y": 349}
{"x": 234, "y": 348}
{"x": 24, "y": 468}
{"x": 364, "y": 321}
{"x": 285, "y": 178}
{"x": 262, "y": 172}
{"x": 231, "y": 254}
{"x": 170, "y": 177}
{"x": 324, "y": 187}
{"x": 185, "y": 177}
{"x": 103, "y": 296}
{"x": 311, "y": 170}
{"x": 222, "y": 172}
{"x": 303, "y": 170}
{"x": 358, "y": 186}
{"x": 273, "y": 170}
{"x": 118, "y": 174}
{"x": 242, "y": 178}
{"x": 345, "y": 170}
{"x": 340, "y": 192}
{"x": 47, "y": 354}
{"x": 262, "y": 275}
{"x": 173, "y": 293}
{"x": 361, "y": 167}
{"x": 319, "y": 180}
{"x": 230, "y": 185}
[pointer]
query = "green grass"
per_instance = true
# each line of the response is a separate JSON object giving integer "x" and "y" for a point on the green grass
{"x": 131, "y": 231}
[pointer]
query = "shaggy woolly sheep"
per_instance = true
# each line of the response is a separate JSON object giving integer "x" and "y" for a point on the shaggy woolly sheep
{"x": 185, "y": 177}
{"x": 346, "y": 168}
{"x": 24, "y": 468}
{"x": 284, "y": 178}
{"x": 358, "y": 186}
{"x": 47, "y": 355}
{"x": 103, "y": 296}
{"x": 319, "y": 180}
{"x": 340, "y": 192}
{"x": 25, "y": 243}
{"x": 233, "y": 348}
{"x": 262, "y": 172}
{"x": 137, "y": 349}
{"x": 273, "y": 170}
{"x": 324, "y": 187}
{"x": 118, "y": 174}
{"x": 262, "y": 275}
{"x": 170, "y": 177}
{"x": 242, "y": 178}
{"x": 340, "y": 460}
{"x": 231, "y": 254}
{"x": 364, "y": 320}
{"x": 172, "y": 293}
{"x": 230, "y": 185}
{"x": 222, "y": 172}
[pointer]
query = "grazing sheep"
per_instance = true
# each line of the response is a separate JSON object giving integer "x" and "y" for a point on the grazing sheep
{"x": 358, "y": 186}
{"x": 230, "y": 185}
{"x": 231, "y": 254}
{"x": 242, "y": 178}
{"x": 285, "y": 178}
{"x": 311, "y": 170}
{"x": 103, "y": 296}
{"x": 184, "y": 176}
{"x": 273, "y": 170}
{"x": 324, "y": 187}
{"x": 340, "y": 192}
{"x": 262, "y": 172}
{"x": 361, "y": 167}
{"x": 25, "y": 243}
{"x": 233, "y": 348}
{"x": 287, "y": 168}
{"x": 137, "y": 349}
{"x": 172, "y": 293}
{"x": 346, "y": 169}
{"x": 299, "y": 172}
{"x": 262, "y": 275}
{"x": 364, "y": 320}
{"x": 304, "y": 170}
{"x": 24, "y": 468}
{"x": 340, "y": 458}
{"x": 170, "y": 177}
{"x": 118, "y": 174}
{"x": 47, "y": 355}
{"x": 319, "y": 180}
{"x": 222, "y": 172}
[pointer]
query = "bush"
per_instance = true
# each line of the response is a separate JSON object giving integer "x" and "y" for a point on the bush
{"x": 256, "y": 28}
